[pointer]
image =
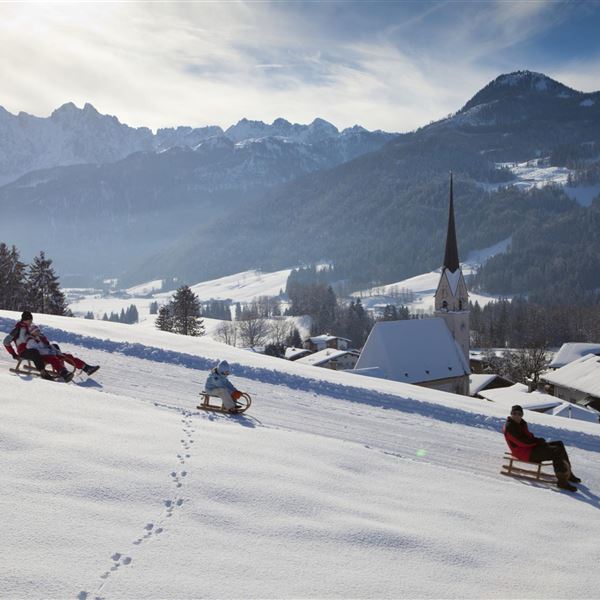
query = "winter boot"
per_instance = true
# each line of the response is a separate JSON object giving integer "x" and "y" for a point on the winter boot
{"x": 66, "y": 375}
{"x": 574, "y": 479}
{"x": 45, "y": 375}
{"x": 565, "y": 485}
{"x": 90, "y": 370}
{"x": 563, "y": 481}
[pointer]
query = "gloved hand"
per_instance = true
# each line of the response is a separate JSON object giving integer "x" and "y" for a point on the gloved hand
{"x": 236, "y": 395}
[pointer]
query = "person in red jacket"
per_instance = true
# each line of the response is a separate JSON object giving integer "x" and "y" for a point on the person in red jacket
{"x": 19, "y": 336}
{"x": 525, "y": 446}
{"x": 31, "y": 344}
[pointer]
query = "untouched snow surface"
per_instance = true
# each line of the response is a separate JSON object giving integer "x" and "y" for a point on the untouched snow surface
{"x": 333, "y": 485}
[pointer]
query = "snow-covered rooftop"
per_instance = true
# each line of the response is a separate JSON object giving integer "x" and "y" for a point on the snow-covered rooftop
{"x": 323, "y": 356}
{"x": 291, "y": 352}
{"x": 582, "y": 375}
{"x": 572, "y": 351}
{"x": 414, "y": 351}
{"x": 518, "y": 394}
{"x": 573, "y": 411}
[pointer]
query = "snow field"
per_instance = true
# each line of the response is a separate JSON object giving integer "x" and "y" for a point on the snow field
{"x": 120, "y": 488}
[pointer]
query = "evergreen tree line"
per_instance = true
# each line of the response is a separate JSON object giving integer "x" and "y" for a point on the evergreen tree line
{"x": 330, "y": 315}
{"x": 182, "y": 314}
{"x": 557, "y": 259}
{"x": 523, "y": 323}
{"x": 129, "y": 316}
{"x": 34, "y": 287}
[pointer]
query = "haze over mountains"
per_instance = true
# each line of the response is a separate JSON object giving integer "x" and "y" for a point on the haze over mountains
{"x": 202, "y": 203}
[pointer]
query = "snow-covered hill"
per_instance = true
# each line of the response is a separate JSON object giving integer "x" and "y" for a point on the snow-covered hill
{"x": 333, "y": 485}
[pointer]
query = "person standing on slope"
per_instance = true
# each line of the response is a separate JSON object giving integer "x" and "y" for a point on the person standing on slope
{"x": 525, "y": 446}
{"x": 217, "y": 384}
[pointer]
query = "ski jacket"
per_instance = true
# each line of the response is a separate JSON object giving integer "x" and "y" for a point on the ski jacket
{"x": 18, "y": 336}
{"x": 42, "y": 345}
{"x": 217, "y": 381}
{"x": 519, "y": 439}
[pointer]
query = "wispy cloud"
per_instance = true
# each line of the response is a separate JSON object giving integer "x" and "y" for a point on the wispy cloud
{"x": 385, "y": 65}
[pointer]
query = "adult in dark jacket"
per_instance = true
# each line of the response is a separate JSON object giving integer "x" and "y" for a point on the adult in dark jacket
{"x": 525, "y": 446}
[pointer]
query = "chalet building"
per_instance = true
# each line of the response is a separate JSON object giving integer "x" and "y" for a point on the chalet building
{"x": 434, "y": 352}
{"x": 330, "y": 358}
{"x": 577, "y": 382}
{"x": 321, "y": 342}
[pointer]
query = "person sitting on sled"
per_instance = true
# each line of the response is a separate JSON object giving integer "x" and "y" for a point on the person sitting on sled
{"x": 51, "y": 354}
{"x": 19, "y": 336}
{"x": 36, "y": 348}
{"x": 525, "y": 446}
{"x": 217, "y": 384}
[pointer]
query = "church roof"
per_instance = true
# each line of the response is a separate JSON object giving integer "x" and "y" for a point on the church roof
{"x": 451, "y": 254}
{"x": 413, "y": 351}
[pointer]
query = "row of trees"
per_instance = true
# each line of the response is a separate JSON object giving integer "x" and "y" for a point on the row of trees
{"x": 33, "y": 286}
{"x": 523, "y": 323}
{"x": 129, "y": 316}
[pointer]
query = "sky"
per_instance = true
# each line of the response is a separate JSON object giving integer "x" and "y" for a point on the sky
{"x": 384, "y": 65}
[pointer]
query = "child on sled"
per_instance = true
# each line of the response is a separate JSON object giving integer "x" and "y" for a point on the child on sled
{"x": 217, "y": 384}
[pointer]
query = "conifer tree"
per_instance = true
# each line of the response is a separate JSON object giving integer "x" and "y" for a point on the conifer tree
{"x": 164, "y": 320}
{"x": 12, "y": 279}
{"x": 185, "y": 310}
{"x": 42, "y": 289}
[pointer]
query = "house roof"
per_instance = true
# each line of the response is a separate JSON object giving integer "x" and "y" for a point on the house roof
{"x": 518, "y": 394}
{"x": 572, "y": 351}
{"x": 582, "y": 375}
{"x": 573, "y": 411}
{"x": 478, "y": 381}
{"x": 413, "y": 351}
{"x": 326, "y": 338}
{"x": 292, "y": 352}
{"x": 323, "y": 356}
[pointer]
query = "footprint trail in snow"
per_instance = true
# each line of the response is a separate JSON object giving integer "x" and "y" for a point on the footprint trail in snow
{"x": 152, "y": 529}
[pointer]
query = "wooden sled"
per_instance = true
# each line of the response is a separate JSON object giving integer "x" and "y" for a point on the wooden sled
{"x": 534, "y": 473}
{"x": 31, "y": 369}
{"x": 243, "y": 403}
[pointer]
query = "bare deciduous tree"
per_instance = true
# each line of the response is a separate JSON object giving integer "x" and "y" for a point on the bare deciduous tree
{"x": 227, "y": 332}
{"x": 253, "y": 332}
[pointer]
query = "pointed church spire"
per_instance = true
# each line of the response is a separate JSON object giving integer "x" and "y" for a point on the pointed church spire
{"x": 451, "y": 255}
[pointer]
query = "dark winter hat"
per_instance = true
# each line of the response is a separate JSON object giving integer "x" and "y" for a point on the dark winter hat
{"x": 517, "y": 408}
{"x": 26, "y": 316}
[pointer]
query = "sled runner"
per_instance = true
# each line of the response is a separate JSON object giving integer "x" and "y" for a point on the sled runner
{"x": 242, "y": 403}
{"x": 30, "y": 369}
{"x": 534, "y": 472}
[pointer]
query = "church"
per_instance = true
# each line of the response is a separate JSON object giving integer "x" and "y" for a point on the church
{"x": 434, "y": 352}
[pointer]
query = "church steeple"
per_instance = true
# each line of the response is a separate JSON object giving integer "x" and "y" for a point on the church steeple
{"x": 451, "y": 255}
{"x": 451, "y": 297}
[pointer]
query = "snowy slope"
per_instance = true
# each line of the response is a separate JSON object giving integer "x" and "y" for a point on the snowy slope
{"x": 333, "y": 485}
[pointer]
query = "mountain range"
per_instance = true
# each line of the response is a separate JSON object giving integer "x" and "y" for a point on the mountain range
{"x": 201, "y": 203}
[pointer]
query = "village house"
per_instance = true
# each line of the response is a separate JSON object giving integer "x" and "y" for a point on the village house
{"x": 292, "y": 353}
{"x": 320, "y": 342}
{"x": 330, "y": 358}
{"x": 577, "y": 382}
